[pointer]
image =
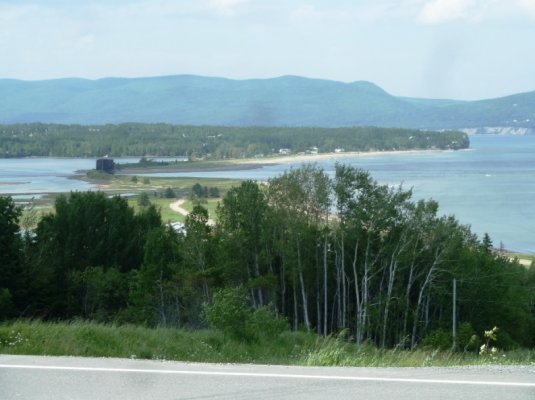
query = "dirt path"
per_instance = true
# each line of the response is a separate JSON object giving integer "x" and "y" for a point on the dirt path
{"x": 176, "y": 206}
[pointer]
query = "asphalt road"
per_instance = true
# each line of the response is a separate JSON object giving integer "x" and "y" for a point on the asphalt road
{"x": 56, "y": 378}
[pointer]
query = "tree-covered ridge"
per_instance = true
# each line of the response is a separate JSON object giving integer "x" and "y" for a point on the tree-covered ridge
{"x": 282, "y": 101}
{"x": 216, "y": 142}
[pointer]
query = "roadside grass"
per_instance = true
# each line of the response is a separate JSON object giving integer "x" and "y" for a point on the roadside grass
{"x": 88, "y": 339}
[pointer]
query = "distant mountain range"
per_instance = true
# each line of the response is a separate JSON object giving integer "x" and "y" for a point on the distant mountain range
{"x": 284, "y": 101}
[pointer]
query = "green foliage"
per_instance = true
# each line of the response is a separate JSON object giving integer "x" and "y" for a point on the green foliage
{"x": 102, "y": 293}
{"x": 6, "y": 304}
{"x": 204, "y": 191}
{"x": 342, "y": 254}
{"x": 88, "y": 229}
{"x": 438, "y": 339}
{"x": 143, "y": 199}
{"x": 229, "y": 312}
{"x": 99, "y": 175}
{"x": 467, "y": 339}
{"x": 12, "y": 277}
{"x": 169, "y": 193}
{"x": 155, "y": 292}
{"x": 89, "y": 339}
{"x": 207, "y": 142}
{"x": 266, "y": 323}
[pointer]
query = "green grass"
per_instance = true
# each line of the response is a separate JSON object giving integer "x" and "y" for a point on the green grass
{"x": 198, "y": 165}
{"x": 524, "y": 259}
{"x": 88, "y": 339}
{"x": 121, "y": 184}
{"x": 182, "y": 186}
{"x": 162, "y": 204}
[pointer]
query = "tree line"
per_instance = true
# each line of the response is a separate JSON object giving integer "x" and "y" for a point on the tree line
{"x": 328, "y": 254}
{"x": 214, "y": 142}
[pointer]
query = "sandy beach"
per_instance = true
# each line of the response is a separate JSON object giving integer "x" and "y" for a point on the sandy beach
{"x": 295, "y": 158}
{"x": 253, "y": 163}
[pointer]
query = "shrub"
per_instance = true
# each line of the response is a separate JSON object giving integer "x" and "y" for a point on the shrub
{"x": 266, "y": 323}
{"x": 169, "y": 193}
{"x": 143, "y": 199}
{"x": 438, "y": 339}
{"x": 228, "y": 312}
{"x": 467, "y": 340}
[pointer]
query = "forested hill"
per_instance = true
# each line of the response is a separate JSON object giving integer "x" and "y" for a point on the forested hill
{"x": 283, "y": 101}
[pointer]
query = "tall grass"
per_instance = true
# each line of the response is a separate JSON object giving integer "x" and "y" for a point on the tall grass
{"x": 89, "y": 339}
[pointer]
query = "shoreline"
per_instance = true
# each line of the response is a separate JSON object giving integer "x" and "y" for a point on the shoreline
{"x": 294, "y": 158}
{"x": 237, "y": 164}
{"x": 231, "y": 166}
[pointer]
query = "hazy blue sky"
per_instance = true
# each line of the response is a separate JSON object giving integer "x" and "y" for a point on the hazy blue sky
{"x": 464, "y": 49}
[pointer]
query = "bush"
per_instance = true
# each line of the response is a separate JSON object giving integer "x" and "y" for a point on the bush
{"x": 438, "y": 339}
{"x": 143, "y": 199}
{"x": 169, "y": 193}
{"x": 230, "y": 313}
{"x": 467, "y": 340}
{"x": 266, "y": 323}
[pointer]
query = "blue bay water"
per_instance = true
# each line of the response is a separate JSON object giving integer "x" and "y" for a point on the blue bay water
{"x": 490, "y": 187}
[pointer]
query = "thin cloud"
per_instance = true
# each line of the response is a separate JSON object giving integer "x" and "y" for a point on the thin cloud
{"x": 226, "y": 7}
{"x": 438, "y": 11}
{"x": 13, "y": 12}
{"x": 527, "y": 5}
{"x": 364, "y": 13}
{"x": 443, "y": 11}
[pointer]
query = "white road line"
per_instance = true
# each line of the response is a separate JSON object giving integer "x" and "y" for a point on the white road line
{"x": 270, "y": 375}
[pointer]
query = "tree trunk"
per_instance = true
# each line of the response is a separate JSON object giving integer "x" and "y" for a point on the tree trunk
{"x": 325, "y": 298}
{"x": 358, "y": 305}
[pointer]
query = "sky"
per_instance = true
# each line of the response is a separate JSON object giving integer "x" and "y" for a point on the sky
{"x": 460, "y": 49}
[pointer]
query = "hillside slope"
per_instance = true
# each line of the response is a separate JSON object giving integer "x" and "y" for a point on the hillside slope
{"x": 283, "y": 101}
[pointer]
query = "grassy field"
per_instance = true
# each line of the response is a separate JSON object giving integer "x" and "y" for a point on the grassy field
{"x": 181, "y": 186}
{"x": 524, "y": 259}
{"x": 125, "y": 185}
{"x": 131, "y": 188}
{"x": 291, "y": 348}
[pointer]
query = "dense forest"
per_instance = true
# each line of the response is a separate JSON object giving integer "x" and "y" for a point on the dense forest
{"x": 329, "y": 254}
{"x": 215, "y": 142}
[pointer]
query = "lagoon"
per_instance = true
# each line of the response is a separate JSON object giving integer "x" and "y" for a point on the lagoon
{"x": 491, "y": 186}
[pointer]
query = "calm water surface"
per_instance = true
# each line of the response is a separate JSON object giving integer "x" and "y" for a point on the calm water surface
{"x": 490, "y": 187}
